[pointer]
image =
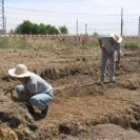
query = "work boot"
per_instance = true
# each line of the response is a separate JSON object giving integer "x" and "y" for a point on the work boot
{"x": 23, "y": 104}
{"x": 38, "y": 116}
{"x": 31, "y": 109}
{"x": 44, "y": 112}
{"x": 28, "y": 106}
{"x": 113, "y": 80}
{"x": 101, "y": 83}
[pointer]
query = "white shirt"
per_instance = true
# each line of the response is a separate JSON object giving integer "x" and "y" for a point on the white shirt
{"x": 38, "y": 85}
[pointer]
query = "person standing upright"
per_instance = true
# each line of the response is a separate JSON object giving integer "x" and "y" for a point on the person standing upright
{"x": 109, "y": 45}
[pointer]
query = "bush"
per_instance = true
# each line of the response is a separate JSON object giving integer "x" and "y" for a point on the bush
{"x": 27, "y": 27}
{"x": 131, "y": 46}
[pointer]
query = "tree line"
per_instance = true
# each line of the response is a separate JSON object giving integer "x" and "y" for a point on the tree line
{"x": 27, "y": 27}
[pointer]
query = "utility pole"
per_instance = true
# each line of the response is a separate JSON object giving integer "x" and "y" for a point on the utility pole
{"x": 2, "y": 17}
{"x": 86, "y": 29}
{"x": 139, "y": 28}
{"x": 77, "y": 27}
{"x": 122, "y": 22}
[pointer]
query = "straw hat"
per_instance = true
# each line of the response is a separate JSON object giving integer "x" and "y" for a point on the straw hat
{"x": 117, "y": 38}
{"x": 20, "y": 71}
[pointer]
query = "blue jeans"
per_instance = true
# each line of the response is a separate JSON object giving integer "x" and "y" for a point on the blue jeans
{"x": 39, "y": 100}
{"x": 104, "y": 58}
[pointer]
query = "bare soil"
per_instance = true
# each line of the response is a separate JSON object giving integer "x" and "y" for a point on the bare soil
{"x": 82, "y": 108}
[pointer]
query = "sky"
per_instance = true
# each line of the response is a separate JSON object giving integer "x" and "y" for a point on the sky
{"x": 100, "y": 16}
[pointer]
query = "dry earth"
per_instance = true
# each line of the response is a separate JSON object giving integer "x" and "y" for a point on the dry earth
{"x": 82, "y": 108}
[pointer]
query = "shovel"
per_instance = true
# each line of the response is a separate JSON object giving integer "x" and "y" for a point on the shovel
{"x": 133, "y": 86}
{"x": 10, "y": 90}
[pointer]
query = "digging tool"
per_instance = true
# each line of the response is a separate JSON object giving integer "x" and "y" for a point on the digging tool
{"x": 133, "y": 86}
{"x": 9, "y": 91}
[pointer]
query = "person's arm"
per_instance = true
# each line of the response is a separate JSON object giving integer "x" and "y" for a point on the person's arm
{"x": 24, "y": 97}
{"x": 33, "y": 87}
{"x": 118, "y": 54}
{"x": 101, "y": 43}
{"x": 119, "y": 57}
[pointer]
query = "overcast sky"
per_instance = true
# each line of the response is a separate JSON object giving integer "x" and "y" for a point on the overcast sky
{"x": 101, "y": 16}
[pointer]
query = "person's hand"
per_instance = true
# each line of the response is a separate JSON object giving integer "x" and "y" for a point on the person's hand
{"x": 24, "y": 97}
{"x": 118, "y": 63}
{"x": 14, "y": 98}
{"x": 101, "y": 44}
{"x": 102, "y": 47}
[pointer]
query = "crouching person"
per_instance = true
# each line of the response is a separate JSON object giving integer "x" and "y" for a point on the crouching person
{"x": 33, "y": 90}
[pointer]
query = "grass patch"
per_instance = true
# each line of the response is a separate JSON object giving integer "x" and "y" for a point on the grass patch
{"x": 131, "y": 45}
{"x": 59, "y": 43}
{"x": 11, "y": 43}
{"x": 48, "y": 44}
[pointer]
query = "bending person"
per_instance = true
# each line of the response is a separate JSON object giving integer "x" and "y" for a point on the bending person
{"x": 33, "y": 90}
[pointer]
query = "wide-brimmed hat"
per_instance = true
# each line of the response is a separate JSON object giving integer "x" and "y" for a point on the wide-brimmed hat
{"x": 116, "y": 37}
{"x": 20, "y": 71}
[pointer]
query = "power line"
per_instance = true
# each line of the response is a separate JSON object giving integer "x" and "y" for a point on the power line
{"x": 101, "y": 21}
{"x": 60, "y": 12}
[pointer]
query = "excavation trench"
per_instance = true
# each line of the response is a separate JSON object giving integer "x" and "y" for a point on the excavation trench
{"x": 124, "y": 119}
{"x": 82, "y": 109}
{"x": 124, "y": 122}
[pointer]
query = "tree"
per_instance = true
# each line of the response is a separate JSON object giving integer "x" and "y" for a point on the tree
{"x": 18, "y": 29}
{"x": 28, "y": 27}
{"x": 53, "y": 30}
{"x": 35, "y": 29}
{"x": 24, "y": 28}
{"x": 42, "y": 29}
{"x": 63, "y": 30}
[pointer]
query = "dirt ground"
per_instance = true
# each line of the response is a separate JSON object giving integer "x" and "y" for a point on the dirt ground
{"x": 82, "y": 108}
